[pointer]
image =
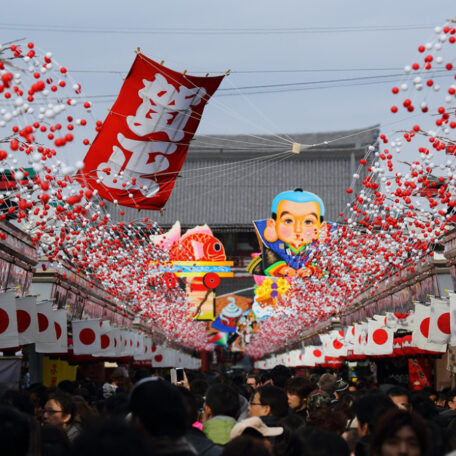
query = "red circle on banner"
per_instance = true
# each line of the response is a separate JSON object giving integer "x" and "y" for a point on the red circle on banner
{"x": 4, "y": 320}
{"x": 87, "y": 336}
{"x": 23, "y": 320}
{"x": 380, "y": 336}
{"x": 137, "y": 344}
{"x": 146, "y": 349}
{"x": 58, "y": 330}
{"x": 131, "y": 343}
{"x": 353, "y": 331}
{"x": 211, "y": 280}
{"x": 158, "y": 358}
{"x": 424, "y": 327}
{"x": 443, "y": 323}
{"x": 43, "y": 322}
{"x": 125, "y": 342}
{"x": 115, "y": 342}
{"x": 317, "y": 353}
{"x": 337, "y": 344}
{"x": 154, "y": 348}
{"x": 104, "y": 341}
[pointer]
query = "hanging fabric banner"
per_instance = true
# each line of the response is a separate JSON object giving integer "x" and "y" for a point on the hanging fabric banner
{"x": 142, "y": 144}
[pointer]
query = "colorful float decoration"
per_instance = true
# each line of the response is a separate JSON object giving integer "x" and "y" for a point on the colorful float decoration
{"x": 290, "y": 237}
{"x": 199, "y": 259}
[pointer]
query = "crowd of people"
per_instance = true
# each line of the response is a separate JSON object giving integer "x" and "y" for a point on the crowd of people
{"x": 274, "y": 413}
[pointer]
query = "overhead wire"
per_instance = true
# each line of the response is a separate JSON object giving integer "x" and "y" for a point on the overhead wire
{"x": 55, "y": 28}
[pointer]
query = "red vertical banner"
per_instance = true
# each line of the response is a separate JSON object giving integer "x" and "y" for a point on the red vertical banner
{"x": 143, "y": 142}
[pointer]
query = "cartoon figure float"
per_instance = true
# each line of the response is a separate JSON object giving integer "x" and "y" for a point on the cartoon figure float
{"x": 296, "y": 224}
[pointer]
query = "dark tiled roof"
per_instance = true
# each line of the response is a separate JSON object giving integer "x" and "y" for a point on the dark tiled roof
{"x": 228, "y": 181}
{"x": 270, "y": 143}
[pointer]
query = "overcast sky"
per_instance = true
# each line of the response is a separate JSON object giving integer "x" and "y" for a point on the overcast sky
{"x": 82, "y": 35}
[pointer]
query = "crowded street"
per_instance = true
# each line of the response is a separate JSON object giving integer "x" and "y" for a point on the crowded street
{"x": 228, "y": 230}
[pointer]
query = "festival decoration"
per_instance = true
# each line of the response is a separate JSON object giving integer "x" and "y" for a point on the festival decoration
{"x": 139, "y": 151}
{"x": 392, "y": 223}
{"x": 287, "y": 238}
{"x": 47, "y": 333}
{"x": 439, "y": 322}
{"x": 9, "y": 336}
{"x": 201, "y": 258}
{"x": 390, "y": 228}
{"x": 58, "y": 324}
{"x": 380, "y": 339}
{"x": 420, "y": 335}
{"x": 27, "y": 320}
{"x": 87, "y": 336}
{"x": 228, "y": 318}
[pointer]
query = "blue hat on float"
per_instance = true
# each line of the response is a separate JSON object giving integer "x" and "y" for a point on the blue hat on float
{"x": 298, "y": 196}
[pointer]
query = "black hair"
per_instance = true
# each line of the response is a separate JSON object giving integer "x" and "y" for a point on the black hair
{"x": 199, "y": 386}
{"x": 54, "y": 441}
{"x": 265, "y": 377}
{"x": 190, "y": 404}
{"x": 140, "y": 374}
{"x": 20, "y": 400}
{"x": 14, "y": 432}
{"x": 117, "y": 405}
{"x": 65, "y": 401}
{"x": 397, "y": 391}
{"x": 423, "y": 405}
{"x": 289, "y": 424}
{"x": 311, "y": 441}
{"x": 246, "y": 444}
{"x": 159, "y": 407}
{"x": 222, "y": 399}
{"x": 450, "y": 395}
{"x": 369, "y": 408}
{"x": 394, "y": 420}
{"x": 279, "y": 375}
{"x": 276, "y": 398}
{"x": 299, "y": 386}
{"x": 67, "y": 386}
{"x": 113, "y": 437}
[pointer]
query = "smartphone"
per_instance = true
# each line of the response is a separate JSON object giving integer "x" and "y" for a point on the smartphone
{"x": 177, "y": 375}
{"x": 180, "y": 376}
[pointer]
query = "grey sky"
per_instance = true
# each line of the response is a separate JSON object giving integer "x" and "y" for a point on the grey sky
{"x": 296, "y": 111}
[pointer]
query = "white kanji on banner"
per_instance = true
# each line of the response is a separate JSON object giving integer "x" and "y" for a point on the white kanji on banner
{"x": 86, "y": 336}
{"x": 27, "y": 320}
{"x": 379, "y": 339}
{"x": 46, "y": 329}
{"x": 9, "y": 336}
{"x": 439, "y": 323}
{"x": 420, "y": 332}
{"x": 57, "y": 323}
